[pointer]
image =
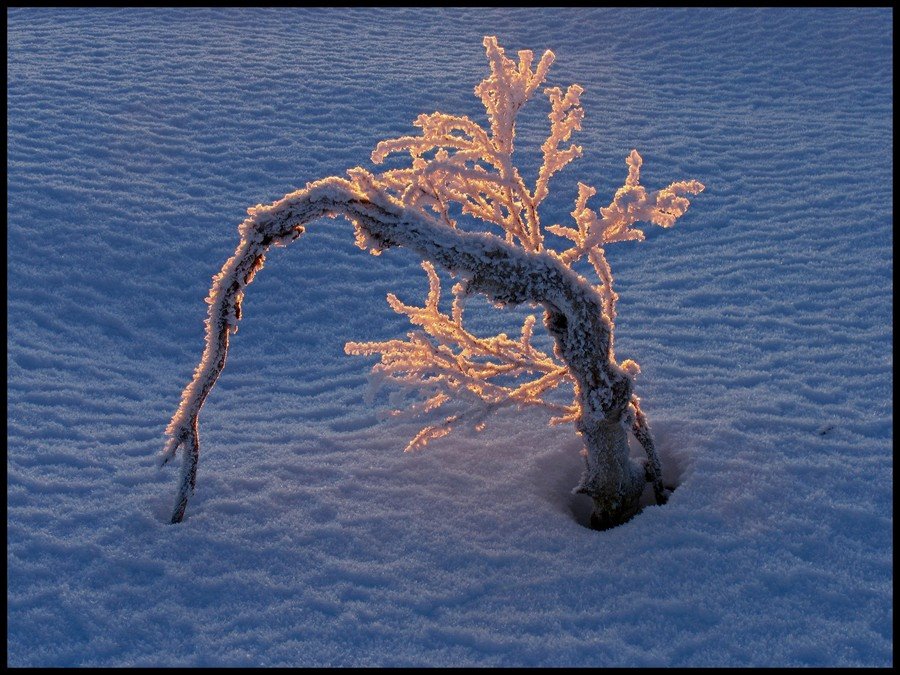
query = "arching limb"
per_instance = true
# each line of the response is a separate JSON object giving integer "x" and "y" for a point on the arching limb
{"x": 501, "y": 271}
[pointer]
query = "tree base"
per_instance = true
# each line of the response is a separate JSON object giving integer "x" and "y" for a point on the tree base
{"x": 602, "y": 518}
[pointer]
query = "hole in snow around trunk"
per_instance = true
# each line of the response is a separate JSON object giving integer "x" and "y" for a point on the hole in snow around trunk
{"x": 559, "y": 471}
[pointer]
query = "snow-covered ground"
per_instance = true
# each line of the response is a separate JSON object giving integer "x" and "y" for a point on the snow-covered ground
{"x": 762, "y": 322}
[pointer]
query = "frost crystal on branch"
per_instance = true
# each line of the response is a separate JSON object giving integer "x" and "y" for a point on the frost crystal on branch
{"x": 461, "y": 170}
{"x": 446, "y": 357}
{"x": 455, "y": 160}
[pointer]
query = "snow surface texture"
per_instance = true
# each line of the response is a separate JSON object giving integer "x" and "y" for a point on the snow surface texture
{"x": 138, "y": 138}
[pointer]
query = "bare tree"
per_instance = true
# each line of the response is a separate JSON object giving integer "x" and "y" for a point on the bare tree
{"x": 460, "y": 170}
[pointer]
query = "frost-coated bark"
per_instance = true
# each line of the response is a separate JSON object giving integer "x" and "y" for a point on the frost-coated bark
{"x": 459, "y": 169}
{"x": 503, "y": 272}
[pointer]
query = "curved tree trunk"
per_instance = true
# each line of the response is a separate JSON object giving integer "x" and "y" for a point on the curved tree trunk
{"x": 503, "y": 272}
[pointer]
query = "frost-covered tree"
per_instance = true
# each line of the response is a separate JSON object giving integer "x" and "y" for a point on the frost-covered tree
{"x": 458, "y": 170}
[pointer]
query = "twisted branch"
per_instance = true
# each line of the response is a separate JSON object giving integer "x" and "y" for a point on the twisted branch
{"x": 504, "y": 273}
